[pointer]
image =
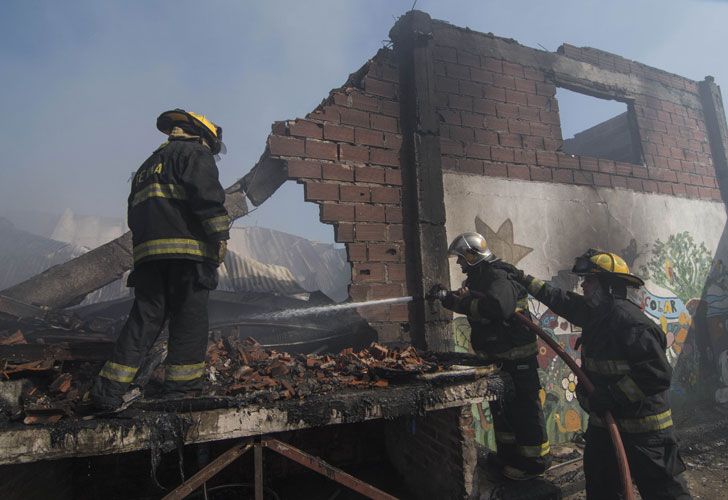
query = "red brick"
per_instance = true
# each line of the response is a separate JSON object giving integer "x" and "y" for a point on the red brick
{"x": 384, "y": 252}
{"x": 482, "y": 76}
{"x": 355, "y": 117}
{"x": 279, "y": 128}
{"x": 359, "y": 292}
{"x": 333, "y": 132}
{"x": 537, "y": 101}
{"x": 486, "y": 137}
{"x": 678, "y": 190}
{"x": 541, "y": 129}
{"x": 368, "y": 103}
{"x": 501, "y": 154}
{"x": 389, "y": 290}
{"x": 460, "y": 101}
{"x": 394, "y": 214}
{"x": 388, "y": 157}
{"x": 369, "y": 213}
{"x": 457, "y": 71}
{"x": 515, "y": 97}
{"x": 532, "y": 142}
{"x": 472, "y": 89}
{"x": 649, "y": 186}
{"x": 567, "y": 161}
{"x": 444, "y": 84}
{"x": 563, "y": 175}
{"x": 504, "y": 81}
{"x": 365, "y": 136}
{"x": 392, "y": 141}
{"x": 303, "y": 169}
{"x": 470, "y": 166}
{"x": 512, "y": 69}
{"x": 640, "y": 171}
{"x": 344, "y": 232}
{"x": 547, "y": 89}
{"x": 305, "y": 128}
{"x": 494, "y": 93}
{"x": 692, "y": 191}
{"x": 547, "y": 158}
{"x": 395, "y": 232}
{"x": 519, "y": 172}
{"x": 321, "y": 150}
{"x": 474, "y": 120}
{"x": 524, "y": 156}
{"x": 533, "y": 74}
{"x": 450, "y": 116}
{"x": 456, "y": 133}
{"x": 371, "y": 232}
{"x": 387, "y": 195}
{"x": 602, "y": 180}
{"x": 333, "y": 212}
{"x": 495, "y": 169}
{"x": 393, "y": 177}
{"x": 664, "y": 188}
{"x": 321, "y": 191}
{"x": 540, "y": 174}
{"x": 550, "y": 117}
{"x": 497, "y": 124}
{"x": 623, "y": 169}
{"x": 348, "y": 152}
{"x": 606, "y": 166}
{"x": 396, "y": 272}
{"x": 493, "y": 64}
{"x": 519, "y": 127}
{"x": 528, "y": 86}
{"x": 468, "y": 59}
{"x": 619, "y": 182}
{"x": 485, "y": 106}
{"x": 479, "y": 151}
{"x": 442, "y": 53}
{"x": 369, "y": 174}
{"x": 337, "y": 172}
{"x": 355, "y": 193}
{"x": 510, "y": 140}
{"x": 506, "y": 110}
{"x": 286, "y": 146}
{"x": 356, "y": 252}
{"x": 367, "y": 272}
{"x": 399, "y": 312}
{"x": 581, "y": 177}
{"x": 662, "y": 174}
{"x": 450, "y": 147}
{"x": 379, "y": 87}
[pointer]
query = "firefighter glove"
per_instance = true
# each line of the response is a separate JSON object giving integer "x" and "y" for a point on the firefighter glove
{"x": 436, "y": 292}
{"x": 601, "y": 401}
{"x": 221, "y": 251}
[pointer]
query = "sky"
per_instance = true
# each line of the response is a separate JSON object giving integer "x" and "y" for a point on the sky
{"x": 82, "y": 81}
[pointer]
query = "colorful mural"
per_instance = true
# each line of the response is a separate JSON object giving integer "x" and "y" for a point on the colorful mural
{"x": 686, "y": 294}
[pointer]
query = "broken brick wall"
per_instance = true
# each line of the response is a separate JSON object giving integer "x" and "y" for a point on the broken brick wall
{"x": 505, "y": 175}
{"x": 500, "y": 116}
{"x": 346, "y": 155}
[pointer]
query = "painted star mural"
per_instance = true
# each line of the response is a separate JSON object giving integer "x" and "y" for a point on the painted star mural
{"x": 501, "y": 241}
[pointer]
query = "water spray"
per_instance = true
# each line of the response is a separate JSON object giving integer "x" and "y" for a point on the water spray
{"x": 330, "y": 309}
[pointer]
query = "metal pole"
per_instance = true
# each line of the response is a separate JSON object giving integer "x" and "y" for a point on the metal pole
{"x": 258, "y": 459}
{"x": 209, "y": 471}
{"x": 323, "y": 468}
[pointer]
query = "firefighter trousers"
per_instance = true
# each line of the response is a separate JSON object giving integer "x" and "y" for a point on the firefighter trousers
{"x": 176, "y": 291}
{"x": 518, "y": 421}
{"x": 654, "y": 462}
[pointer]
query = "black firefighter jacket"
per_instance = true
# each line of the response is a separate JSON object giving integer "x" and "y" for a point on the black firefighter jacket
{"x": 621, "y": 351}
{"x": 490, "y": 309}
{"x": 176, "y": 207}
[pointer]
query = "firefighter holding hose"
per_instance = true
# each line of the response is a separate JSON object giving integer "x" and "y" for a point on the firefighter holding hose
{"x": 490, "y": 299}
{"x": 623, "y": 354}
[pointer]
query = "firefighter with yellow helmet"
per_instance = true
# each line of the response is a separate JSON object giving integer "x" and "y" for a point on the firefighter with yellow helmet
{"x": 179, "y": 229}
{"x": 489, "y": 299}
{"x": 623, "y": 354}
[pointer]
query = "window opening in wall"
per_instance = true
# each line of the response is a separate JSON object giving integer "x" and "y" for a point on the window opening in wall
{"x": 600, "y": 128}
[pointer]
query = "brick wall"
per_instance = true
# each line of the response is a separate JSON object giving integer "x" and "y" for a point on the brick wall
{"x": 346, "y": 155}
{"x": 435, "y": 452}
{"x": 500, "y": 117}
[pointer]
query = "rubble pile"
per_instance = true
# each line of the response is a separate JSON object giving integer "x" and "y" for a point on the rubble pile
{"x": 236, "y": 367}
{"x": 51, "y": 387}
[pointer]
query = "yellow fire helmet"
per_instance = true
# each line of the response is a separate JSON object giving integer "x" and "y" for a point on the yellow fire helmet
{"x": 472, "y": 247}
{"x": 605, "y": 263}
{"x": 192, "y": 122}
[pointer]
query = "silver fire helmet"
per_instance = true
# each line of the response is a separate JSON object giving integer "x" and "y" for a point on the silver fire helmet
{"x": 472, "y": 247}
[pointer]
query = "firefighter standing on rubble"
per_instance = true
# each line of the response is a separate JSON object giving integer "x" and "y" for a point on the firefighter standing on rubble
{"x": 520, "y": 431}
{"x": 180, "y": 229}
{"x": 623, "y": 354}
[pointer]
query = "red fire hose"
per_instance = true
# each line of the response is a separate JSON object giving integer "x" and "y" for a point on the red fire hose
{"x": 622, "y": 463}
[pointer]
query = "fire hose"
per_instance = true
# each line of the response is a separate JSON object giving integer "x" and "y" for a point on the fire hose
{"x": 621, "y": 455}
{"x": 622, "y": 464}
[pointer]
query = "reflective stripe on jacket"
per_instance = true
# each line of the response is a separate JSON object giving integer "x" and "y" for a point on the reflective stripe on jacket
{"x": 175, "y": 208}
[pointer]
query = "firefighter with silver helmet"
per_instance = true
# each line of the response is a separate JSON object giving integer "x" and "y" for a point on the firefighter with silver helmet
{"x": 623, "y": 354}
{"x": 179, "y": 229}
{"x": 489, "y": 299}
